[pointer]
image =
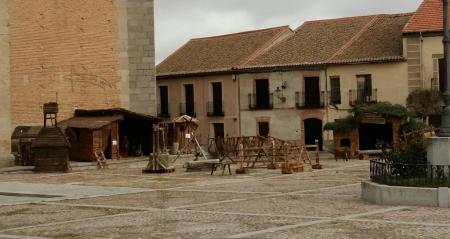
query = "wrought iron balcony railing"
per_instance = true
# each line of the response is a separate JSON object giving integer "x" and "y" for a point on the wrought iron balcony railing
{"x": 163, "y": 111}
{"x": 214, "y": 108}
{"x": 187, "y": 109}
{"x": 260, "y": 102}
{"x": 310, "y": 100}
{"x": 363, "y": 96}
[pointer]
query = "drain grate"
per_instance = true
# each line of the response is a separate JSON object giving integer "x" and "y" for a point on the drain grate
{"x": 32, "y": 195}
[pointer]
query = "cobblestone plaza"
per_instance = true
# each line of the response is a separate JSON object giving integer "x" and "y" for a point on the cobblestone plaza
{"x": 124, "y": 203}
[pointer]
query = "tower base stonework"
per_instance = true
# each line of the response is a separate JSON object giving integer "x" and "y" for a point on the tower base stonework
{"x": 97, "y": 56}
{"x": 438, "y": 151}
{"x": 5, "y": 113}
{"x": 137, "y": 55}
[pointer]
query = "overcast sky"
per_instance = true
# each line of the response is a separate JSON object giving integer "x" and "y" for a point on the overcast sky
{"x": 177, "y": 21}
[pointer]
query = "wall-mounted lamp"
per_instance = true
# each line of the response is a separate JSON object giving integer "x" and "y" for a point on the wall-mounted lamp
{"x": 279, "y": 91}
{"x": 233, "y": 77}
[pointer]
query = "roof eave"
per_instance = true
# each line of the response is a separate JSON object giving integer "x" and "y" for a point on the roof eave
{"x": 389, "y": 59}
{"x": 319, "y": 65}
{"x": 195, "y": 73}
{"x": 282, "y": 67}
{"x": 436, "y": 32}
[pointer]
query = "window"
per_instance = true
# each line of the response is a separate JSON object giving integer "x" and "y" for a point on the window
{"x": 189, "y": 105}
{"x": 364, "y": 93}
{"x": 364, "y": 87}
{"x": 263, "y": 129}
{"x": 215, "y": 107}
{"x": 335, "y": 84}
{"x": 364, "y": 83}
{"x": 262, "y": 99}
{"x": 437, "y": 72}
{"x": 163, "y": 101}
{"x": 312, "y": 92}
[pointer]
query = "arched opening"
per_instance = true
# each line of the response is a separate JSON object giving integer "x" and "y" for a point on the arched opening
{"x": 345, "y": 142}
{"x": 313, "y": 131}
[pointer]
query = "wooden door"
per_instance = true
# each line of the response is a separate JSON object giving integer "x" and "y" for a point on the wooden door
{"x": 313, "y": 131}
{"x": 219, "y": 131}
{"x": 263, "y": 129}
{"x": 25, "y": 154}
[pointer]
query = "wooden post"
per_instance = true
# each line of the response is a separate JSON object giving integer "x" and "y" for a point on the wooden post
{"x": 317, "y": 165}
{"x": 317, "y": 151}
{"x": 286, "y": 169}
{"x": 241, "y": 157}
{"x": 156, "y": 145}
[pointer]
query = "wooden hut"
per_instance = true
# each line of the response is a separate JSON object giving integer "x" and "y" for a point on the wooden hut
{"x": 51, "y": 151}
{"x": 91, "y": 136}
{"x": 135, "y": 129}
{"x": 21, "y": 140}
{"x": 183, "y": 133}
{"x": 371, "y": 130}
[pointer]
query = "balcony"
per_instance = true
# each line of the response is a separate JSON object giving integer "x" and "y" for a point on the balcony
{"x": 163, "y": 111}
{"x": 214, "y": 109}
{"x": 260, "y": 102}
{"x": 310, "y": 100}
{"x": 363, "y": 97}
{"x": 334, "y": 99}
{"x": 187, "y": 109}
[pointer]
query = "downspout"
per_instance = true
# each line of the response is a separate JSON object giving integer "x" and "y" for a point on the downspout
{"x": 424, "y": 82}
{"x": 424, "y": 85}
{"x": 236, "y": 79}
{"x": 327, "y": 102}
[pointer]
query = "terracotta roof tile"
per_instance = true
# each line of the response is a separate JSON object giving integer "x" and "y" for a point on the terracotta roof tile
{"x": 382, "y": 39}
{"x": 374, "y": 38}
{"x": 427, "y": 18}
{"x": 314, "y": 41}
{"x": 219, "y": 52}
{"x": 353, "y": 39}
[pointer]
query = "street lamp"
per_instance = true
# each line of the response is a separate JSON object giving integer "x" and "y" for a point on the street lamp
{"x": 444, "y": 131}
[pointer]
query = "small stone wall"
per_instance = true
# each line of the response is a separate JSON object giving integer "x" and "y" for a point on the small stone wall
{"x": 411, "y": 196}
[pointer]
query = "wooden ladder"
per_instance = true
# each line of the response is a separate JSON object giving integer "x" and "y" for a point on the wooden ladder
{"x": 101, "y": 160}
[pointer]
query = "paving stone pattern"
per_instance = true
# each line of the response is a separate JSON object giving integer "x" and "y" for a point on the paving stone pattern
{"x": 114, "y": 203}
